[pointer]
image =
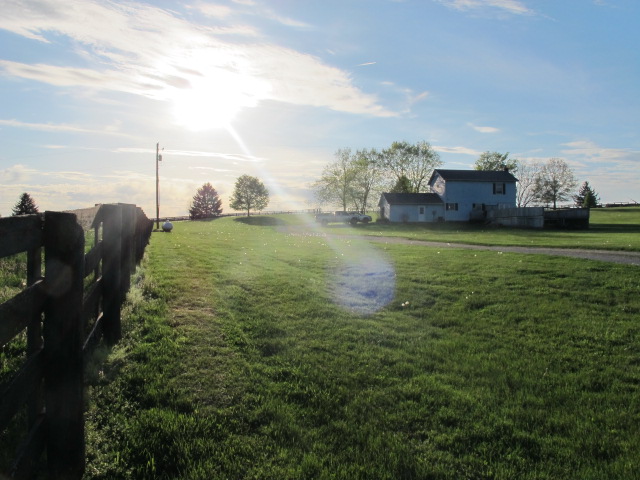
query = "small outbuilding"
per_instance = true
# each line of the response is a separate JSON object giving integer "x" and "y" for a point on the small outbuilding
{"x": 411, "y": 207}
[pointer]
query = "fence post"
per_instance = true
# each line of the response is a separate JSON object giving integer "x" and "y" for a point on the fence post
{"x": 140, "y": 231}
{"x": 34, "y": 331}
{"x": 128, "y": 263}
{"x": 62, "y": 332}
{"x": 111, "y": 272}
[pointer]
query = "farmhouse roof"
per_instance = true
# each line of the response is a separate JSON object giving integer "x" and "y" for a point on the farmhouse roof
{"x": 411, "y": 198}
{"x": 474, "y": 175}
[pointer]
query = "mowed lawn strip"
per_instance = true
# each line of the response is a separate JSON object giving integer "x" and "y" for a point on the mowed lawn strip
{"x": 240, "y": 363}
{"x": 610, "y": 229}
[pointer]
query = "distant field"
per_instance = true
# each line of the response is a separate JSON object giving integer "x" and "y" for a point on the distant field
{"x": 610, "y": 229}
{"x": 256, "y": 348}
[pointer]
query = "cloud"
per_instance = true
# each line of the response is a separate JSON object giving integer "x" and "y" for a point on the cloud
{"x": 611, "y": 170}
{"x": 15, "y": 174}
{"x": 211, "y": 10}
{"x": 461, "y": 150}
{"x": 419, "y": 97}
{"x": 592, "y": 152}
{"x": 68, "y": 190}
{"x": 213, "y": 169}
{"x": 515, "y": 7}
{"x": 60, "y": 127}
{"x": 484, "y": 129}
{"x": 144, "y": 50}
{"x": 192, "y": 153}
{"x": 289, "y": 22}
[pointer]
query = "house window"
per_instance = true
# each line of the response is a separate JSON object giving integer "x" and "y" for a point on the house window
{"x": 499, "y": 189}
{"x": 421, "y": 210}
{"x": 452, "y": 206}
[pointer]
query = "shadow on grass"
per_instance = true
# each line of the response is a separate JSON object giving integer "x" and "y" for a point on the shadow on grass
{"x": 260, "y": 221}
{"x": 614, "y": 228}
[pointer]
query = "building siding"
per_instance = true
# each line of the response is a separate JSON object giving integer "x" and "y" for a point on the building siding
{"x": 468, "y": 195}
{"x": 465, "y": 195}
{"x": 411, "y": 213}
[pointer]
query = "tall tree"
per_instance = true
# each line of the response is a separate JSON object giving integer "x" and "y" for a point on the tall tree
{"x": 415, "y": 162}
{"x": 205, "y": 203}
{"x": 337, "y": 183}
{"x": 527, "y": 174}
{"x": 496, "y": 161}
{"x": 25, "y": 206}
{"x": 555, "y": 182}
{"x": 586, "y": 197}
{"x": 368, "y": 177}
{"x": 249, "y": 193}
{"x": 351, "y": 180}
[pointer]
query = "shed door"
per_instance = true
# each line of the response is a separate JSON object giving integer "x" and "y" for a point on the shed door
{"x": 422, "y": 214}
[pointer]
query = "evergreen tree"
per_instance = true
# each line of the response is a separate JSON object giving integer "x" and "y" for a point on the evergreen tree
{"x": 403, "y": 185}
{"x": 586, "y": 197}
{"x": 25, "y": 206}
{"x": 206, "y": 203}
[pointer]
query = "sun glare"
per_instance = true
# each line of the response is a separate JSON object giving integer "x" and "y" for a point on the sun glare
{"x": 213, "y": 101}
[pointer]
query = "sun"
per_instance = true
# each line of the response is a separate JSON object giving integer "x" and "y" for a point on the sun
{"x": 213, "y": 101}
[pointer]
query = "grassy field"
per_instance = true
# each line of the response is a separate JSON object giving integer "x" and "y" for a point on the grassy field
{"x": 259, "y": 349}
{"x": 610, "y": 229}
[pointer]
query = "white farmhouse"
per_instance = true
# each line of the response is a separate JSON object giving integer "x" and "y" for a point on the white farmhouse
{"x": 459, "y": 196}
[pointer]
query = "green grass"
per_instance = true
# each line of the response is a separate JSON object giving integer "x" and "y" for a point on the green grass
{"x": 610, "y": 229}
{"x": 259, "y": 349}
{"x": 13, "y": 275}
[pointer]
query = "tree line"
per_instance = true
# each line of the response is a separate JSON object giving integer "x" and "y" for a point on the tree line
{"x": 355, "y": 179}
{"x": 249, "y": 193}
{"x": 540, "y": 182}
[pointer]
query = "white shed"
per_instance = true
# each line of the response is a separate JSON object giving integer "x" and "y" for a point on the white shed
{"x": 411, "y": 207}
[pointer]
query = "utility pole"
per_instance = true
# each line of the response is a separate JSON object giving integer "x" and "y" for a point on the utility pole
{"x": 158, "y": 159}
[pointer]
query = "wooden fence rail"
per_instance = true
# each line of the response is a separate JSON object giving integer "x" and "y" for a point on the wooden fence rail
{"x": 66, "y": 311}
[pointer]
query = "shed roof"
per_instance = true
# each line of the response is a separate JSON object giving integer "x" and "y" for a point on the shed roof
{"x": 474, "y": 175}
{"x": 411, "y": 198}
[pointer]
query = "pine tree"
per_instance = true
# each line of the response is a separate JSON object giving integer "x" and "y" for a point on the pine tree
{"x": 403, "y": 185}
{"x": 586, "y": 197}
{"x": 206, "y": 203}
{"x": 25, "y": 206}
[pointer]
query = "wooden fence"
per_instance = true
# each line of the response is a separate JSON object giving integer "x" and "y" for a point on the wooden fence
{"x": 66, "y": 310}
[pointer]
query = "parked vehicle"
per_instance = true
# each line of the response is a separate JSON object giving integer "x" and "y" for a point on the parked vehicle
{"x": 342, "y": 217}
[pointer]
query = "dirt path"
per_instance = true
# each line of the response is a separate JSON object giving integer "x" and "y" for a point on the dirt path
{"x": 627, "y": 258}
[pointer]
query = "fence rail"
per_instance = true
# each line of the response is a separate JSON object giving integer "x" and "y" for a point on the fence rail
{"x": 79, "y": 291}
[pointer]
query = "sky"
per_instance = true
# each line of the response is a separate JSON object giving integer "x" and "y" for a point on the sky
{"x": 273, "y": 88}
